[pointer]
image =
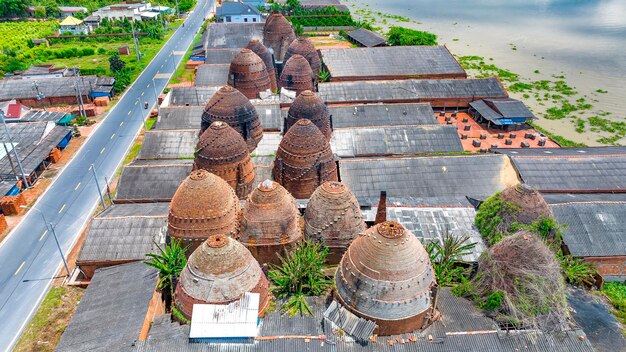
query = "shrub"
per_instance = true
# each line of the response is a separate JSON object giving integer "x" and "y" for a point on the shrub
{"x": 405, "y": 36}
{"x": 170, "y": 262}
{"x": 102, "y": 51}
{"x": 493, "y": 301}
{"x": 490, "y": 218}
{"x": 576, "y": 271}
{"x": 300, "y": 274}
{"x": 446, "y": 256}
{"x": 616, "y": 292}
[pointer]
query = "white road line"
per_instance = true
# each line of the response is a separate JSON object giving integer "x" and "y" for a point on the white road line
{"x": 128, "y": 112}
{"x": 121, "y": 123}
{"x": 102, "y": 150}
{"x": 20, "y": 268}
{"x": 148, "y": 86}
{"x": 90, "y": 167}
{"x": 113, "y": 135}
{"x": 63, "y": 207}
{"x": 43, "y": 234}
{"x": 136, "y": 101}
{"x": 77, "y": 185}
{"x": 142, "y": 93}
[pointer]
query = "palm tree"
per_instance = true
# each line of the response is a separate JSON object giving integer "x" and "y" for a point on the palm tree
{"x": 170, "y": 262}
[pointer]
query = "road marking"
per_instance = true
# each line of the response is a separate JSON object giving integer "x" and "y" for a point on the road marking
{"x": 129, "y": 111}
{"x": 142, "y": 93}
{"x": 121, "y": 123}
{"x": 90, "y": 167}
{"x": 77, "y": 185}
{"x": 102, "y": 150}
{"x": 113, "y": 135}
{"x": 63, "y": 207}
{"x": 20, "y": 268}
{"x": 148, "y": 86}
{"x": 43, "y": 234}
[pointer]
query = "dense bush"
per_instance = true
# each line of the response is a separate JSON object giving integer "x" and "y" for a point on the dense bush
{"x": 405, "y": 36}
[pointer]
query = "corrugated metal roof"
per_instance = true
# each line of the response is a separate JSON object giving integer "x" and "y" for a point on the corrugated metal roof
{"x": 179, "y": 118}
{"x": 40, "y": 116}
{"x": 558, "y": 198}
{"x": 382, "y": 115}
{"x": 411, "y": 90}
{"x": 111, "y": 313}
{"x": 232, "y": 35}
{"x": 125, "y": 232}
{"x": 573, "y": 173}
{"x": 220, "y": 56}
{"x": 359, "y": 328}
{"x": 237, "y": 319}
{"x": 391, "y": 62}
{"x": 50, "y": 87}
{"x": 387, "y": 140}
{"x": 187, "y": 96}
{"x": 367, "y": 38}
{"x": 510, "y": 108}
{"x": 430, "y": 223}
{"x": 422, "y": 177}
{"x": 594, "y": 229}
{"x": 151, "y": 183}
{"x": 33, "y": 141}
{"x": 212, "y": 75}
{"x": 171, "y": 144}
{"x": 564, "y": 152}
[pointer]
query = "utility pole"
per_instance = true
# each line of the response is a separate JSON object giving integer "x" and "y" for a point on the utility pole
{"x": 19, "y": 163}
{"x": 40, "y": 96}
{"x": 50, "y": 227}
{"x": 95, "y": 177}
{"x": 145, "y": 124}
{"x": 156, "y": 97}
{"x": 177, "y": 13}
{"x": 132, "y": 26}
{"x": 79, "y": 93}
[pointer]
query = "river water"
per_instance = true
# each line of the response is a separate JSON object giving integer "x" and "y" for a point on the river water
{"x": 585, "y": 40}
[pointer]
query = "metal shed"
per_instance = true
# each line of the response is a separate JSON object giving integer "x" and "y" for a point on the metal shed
{"x": 211, "y": 75}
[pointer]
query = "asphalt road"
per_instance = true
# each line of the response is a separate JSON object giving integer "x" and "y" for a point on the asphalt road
{"x": 29, "y": 257}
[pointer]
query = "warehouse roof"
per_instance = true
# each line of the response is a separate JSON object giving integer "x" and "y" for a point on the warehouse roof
{"x": 112, "y": 311}
{"x": 125, "y": 232}
{"x": 220, "y": 56}
{"x": 559, "y": 198}
{"x": 411, "y": 90}
{"x": 462, "y": 328}
{"x": 594, "y": 229}
{"x": 573, "y": 169}
{"x": 392, "y": 140}
{"x": 49, "y": 87}
{"x": 372, "y": 115}
{"x": 232, "y": 34}
{"x": 188, "y": 96}
{"x": 318, "y": 4}
{"x": 150, "y": 183}
{"x": 367, "y": 38}
{"x": 212, "y": 75}
{"x": 391, "y": 62}
{"x": 179, "y": 118}
{"x": 170, "y": 144}
{"x": 33, "y": 141}
{"x": 40, "y": 116}
{"x": 422, "y": 177}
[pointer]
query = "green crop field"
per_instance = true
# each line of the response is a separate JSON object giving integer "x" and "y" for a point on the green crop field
{"x": 16, "y": 35}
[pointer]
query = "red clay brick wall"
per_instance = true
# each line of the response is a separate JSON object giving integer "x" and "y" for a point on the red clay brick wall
{"x": 609, "y": 266}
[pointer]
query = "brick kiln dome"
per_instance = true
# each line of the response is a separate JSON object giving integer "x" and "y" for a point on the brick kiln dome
{"x": 277, "y": 35}
{"x": 220, "y": 271}
{"x": 248, "y": 74}
{"x": 231, "y": 106}
{"x": 203, "y": 205}
{"x": 304, "y": 46}
{"x": 386, "y": 276}
{"x": 223, "y": 152}
{"x": 333, "y": 217}
{"x": 304, "y": 160}
{"x": 297, "y": 75}
{"x": 270, "y": 222}
{"x": 530, "y": 203}
{"x": 308, "y": 105}
{"x": 258, "y": 48}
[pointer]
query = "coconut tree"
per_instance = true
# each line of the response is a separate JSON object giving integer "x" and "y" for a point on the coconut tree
{"x": 170, "y": 261}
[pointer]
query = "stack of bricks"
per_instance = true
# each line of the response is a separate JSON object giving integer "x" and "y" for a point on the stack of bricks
{"x": 55, "y": 155}
{"x": 101, "y": 101}
{"x": 10, "y": 205}
{"x": 3, "y": 223}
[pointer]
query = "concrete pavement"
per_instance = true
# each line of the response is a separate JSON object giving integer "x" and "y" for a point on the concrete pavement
{"x": 29, "y": 258}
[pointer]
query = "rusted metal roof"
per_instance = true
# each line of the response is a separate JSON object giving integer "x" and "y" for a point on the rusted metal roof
{"x": 304, "y": 160}
{"x": 203, "y": 205}
{"x": 220, "y": 271}
{"x": 223, "y": 152}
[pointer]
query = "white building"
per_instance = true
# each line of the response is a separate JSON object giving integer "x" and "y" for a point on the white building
{"x": 237, "y": 12}
{"x": 129, "y": 11}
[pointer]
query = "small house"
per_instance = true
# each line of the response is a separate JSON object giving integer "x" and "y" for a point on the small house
{"x": 500, "y": 113}
{"x": 237, "y": 12}
{"x": 71, "y": 11}
{"x": 72, "y": 25}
